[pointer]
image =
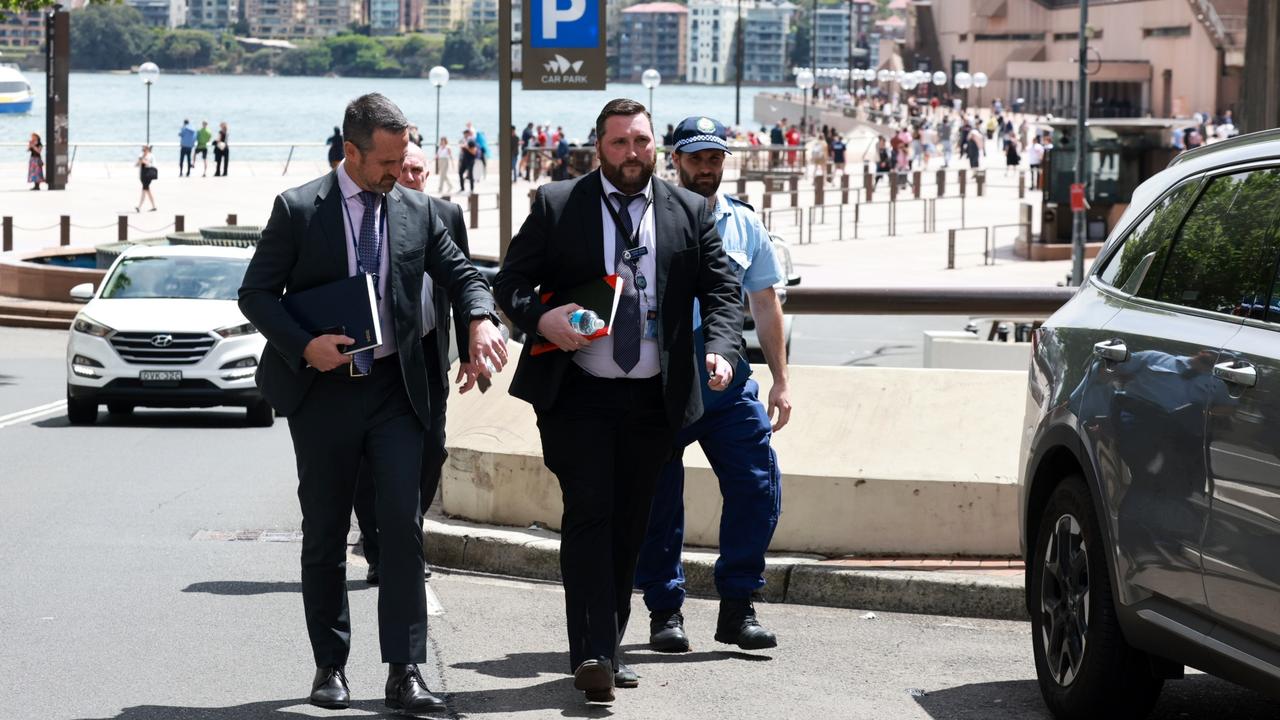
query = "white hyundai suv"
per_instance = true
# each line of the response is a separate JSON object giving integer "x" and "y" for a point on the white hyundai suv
{"x": 164, "y": 330}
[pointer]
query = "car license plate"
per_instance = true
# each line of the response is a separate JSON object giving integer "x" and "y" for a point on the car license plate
{"x": 160, "y": 376}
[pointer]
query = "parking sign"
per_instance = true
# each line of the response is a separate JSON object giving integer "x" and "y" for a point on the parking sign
{"x": 564, "y": 45}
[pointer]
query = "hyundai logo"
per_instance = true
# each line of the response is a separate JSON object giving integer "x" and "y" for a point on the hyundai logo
{"x": 162, "y": 341}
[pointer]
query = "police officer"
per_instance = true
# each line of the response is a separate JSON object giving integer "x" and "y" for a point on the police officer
{"x": 734, "y": 430}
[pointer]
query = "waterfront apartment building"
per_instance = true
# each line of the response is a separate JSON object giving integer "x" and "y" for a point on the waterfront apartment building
{"x": 301, "y": 18}
{"x": 441, "y": 16}
{"x": 167, "y": 14}
{"x": 22, "y": 30}
{"x": 391, "y": 17}
{"x": 652, "y": 35}
{"x": 212, "y": 14}
{"x": 1166, "y": 58}
{"x": 766, "y": 28}
{"x": 712, "y": 25}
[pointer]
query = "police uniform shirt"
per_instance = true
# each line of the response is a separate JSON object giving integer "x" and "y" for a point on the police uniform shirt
{"x": 597, "y": 358}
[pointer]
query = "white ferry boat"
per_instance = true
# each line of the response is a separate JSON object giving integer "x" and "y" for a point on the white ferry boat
{"x": 15, "y": 91}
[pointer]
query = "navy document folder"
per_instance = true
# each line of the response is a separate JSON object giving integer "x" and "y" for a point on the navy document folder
{"x": 343, "y": 307}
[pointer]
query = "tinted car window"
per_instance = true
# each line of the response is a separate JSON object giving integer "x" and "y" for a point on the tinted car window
{"x": 206, "y": 278}
{"x": 1224, "y": 256}
{"x": 1129, "y": 268}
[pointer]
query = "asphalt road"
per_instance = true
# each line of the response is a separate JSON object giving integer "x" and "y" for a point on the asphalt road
{"x": 122, "y": 596}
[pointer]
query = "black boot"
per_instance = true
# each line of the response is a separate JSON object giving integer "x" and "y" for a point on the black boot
{"x": 407, "y": 691}
{"x": 737, "y": 625}
{"x": 329, "y": 689}
{"x": 666, "y": 631}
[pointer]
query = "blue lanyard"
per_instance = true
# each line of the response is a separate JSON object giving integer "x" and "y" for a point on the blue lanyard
{"x": 379, "y": 235}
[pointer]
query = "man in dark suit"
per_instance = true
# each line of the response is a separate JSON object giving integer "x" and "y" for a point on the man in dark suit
{"x": 373, "y": 404}
{"x": 608, "y": 409}
{"x": 435, "y": 348}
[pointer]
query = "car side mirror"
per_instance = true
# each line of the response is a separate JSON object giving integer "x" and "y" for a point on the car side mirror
{"x": 82, "y": 292}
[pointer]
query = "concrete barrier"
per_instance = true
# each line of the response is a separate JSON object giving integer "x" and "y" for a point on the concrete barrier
{"x": 875, "y": 460}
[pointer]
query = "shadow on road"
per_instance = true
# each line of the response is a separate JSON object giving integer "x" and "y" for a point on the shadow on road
{"x": 552, "y": 695}
{"x": 1196, "y": 696}
{"x": 267, "y": 710}
{"x": 179, "y": 420}
{"x": 248, "y": 587}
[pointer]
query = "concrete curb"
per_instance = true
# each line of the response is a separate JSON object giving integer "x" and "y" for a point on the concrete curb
{"x": 802, "y": 580}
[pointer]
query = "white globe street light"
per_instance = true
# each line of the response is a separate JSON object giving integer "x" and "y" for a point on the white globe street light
{"x": 964, "y": 80}
{"x": 651, "y": 79}
{"x": 884, "y": 75}
{"x": 149, "y": 73}
{"x": 980, "y": 81}
{"x": 439, "y": 76}
{"x": 804, "y": 82}
{"x": 939, "y": 78}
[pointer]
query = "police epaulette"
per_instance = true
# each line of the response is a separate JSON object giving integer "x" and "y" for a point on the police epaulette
{"x": 735, "y": 200}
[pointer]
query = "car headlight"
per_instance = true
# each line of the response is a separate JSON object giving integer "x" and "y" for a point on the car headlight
{"x": 85, "y": 366}
{"x": 236, "y": 330}
{"x": 84, "y": 325}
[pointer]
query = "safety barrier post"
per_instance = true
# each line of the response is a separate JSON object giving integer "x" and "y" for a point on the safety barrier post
{"x": 473, "y": 205}
{"x": 179, "y": 223}
{"x": 122, "y": 228}
{"x": 64, "y": 229}
{"x": 231, "y": 219}
{"x": 8, "y": 234}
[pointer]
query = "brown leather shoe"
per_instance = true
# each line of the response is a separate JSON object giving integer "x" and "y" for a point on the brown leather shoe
{"x": 595, "y": 679}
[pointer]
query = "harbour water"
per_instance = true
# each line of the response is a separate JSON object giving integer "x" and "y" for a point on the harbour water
{"x": 111, "y": 107}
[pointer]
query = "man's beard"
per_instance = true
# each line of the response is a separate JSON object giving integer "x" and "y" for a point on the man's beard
{"x": 704, "y": 185}
{"x": 624, "y": 176}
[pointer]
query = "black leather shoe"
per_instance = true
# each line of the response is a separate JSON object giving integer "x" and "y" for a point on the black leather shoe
{"x": 329, "y": 689}
{"x": 371, "y": 577}
{"x": 666, "y": 631}
{"x": 595, "y": 679}
{"x": 737, "y": 625}
{"x": 426, "y": 572}
{"x": 625, "y": 677}
{"x": 407, "y": 691}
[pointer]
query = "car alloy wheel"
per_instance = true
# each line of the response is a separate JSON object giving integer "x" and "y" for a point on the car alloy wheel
{"x": 1064, "y": 600}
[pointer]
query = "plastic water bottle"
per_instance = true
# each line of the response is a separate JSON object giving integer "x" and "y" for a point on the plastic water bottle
{"x": 586, "y": 322}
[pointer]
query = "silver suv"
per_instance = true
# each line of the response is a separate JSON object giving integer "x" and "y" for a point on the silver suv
{"x": 1150, "y": 486}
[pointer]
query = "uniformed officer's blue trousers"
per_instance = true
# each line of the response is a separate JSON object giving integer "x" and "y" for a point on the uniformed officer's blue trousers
{"x": 734, "y": 436}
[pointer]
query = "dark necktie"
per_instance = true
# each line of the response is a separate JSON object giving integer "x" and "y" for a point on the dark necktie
{"x": 626, "y": 322}
{"x": 369, "y": 255}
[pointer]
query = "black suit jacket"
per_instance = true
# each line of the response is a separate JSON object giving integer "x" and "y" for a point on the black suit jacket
{"x": 450, "y": 214}
{"x": 561, "y": 245}
{"x": 303, "y": 245}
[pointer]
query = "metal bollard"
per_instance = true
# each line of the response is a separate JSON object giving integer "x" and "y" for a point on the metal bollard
{"x": 951, "y": 249}
{"x": 1022, "y": 185}
{"x": 231, "y": 219}
{"x": 64, "y": 230}
{"x": 844, "y": 189}
{"x": 768, "y": 199}
{"x": 915, "y": 184}
{"x": 893, "y": 187}
{"x": 122, "y": 228}
{"x": 473, "y": 206}
{"x": 179, "y": 223}
{"x": 869, "y": 185}
{"x": 980, "y": 178}
{"x": 942, "y": 183}
{"x": 819, "y": 188}
{"x": 742, "y": 186}
{"x": 962, "y": 177}
{"x": 8, "y": 235}
{"x": 795, "y": 191}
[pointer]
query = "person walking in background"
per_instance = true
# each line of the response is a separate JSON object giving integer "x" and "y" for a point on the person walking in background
{"x": 467, "y": 154}
{"x": 35, "y": 161}
{"x": 526, "y": 139}
{"x": 202, "y": 146}
{"x": 513, "y": 152}
{"x": 335, "y": 148}
{"x": 482, "y": 153}
{"x": 1035, "y": 156}
{"x": 444, "y": 158}
{"x": 221, "y": 152}
{"x": 186, "y": 144}
{"x": 974, "y": 142}
{"x": 147, "y": 173}
{"x": 1011, "y": 156}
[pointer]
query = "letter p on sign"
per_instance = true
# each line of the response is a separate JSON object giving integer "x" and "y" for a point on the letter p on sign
{"x": 552, "y": 16}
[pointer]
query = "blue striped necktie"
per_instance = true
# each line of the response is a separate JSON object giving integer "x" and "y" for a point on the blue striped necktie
{"x": 626, "y": 321}
{"x": 369, "y": 255}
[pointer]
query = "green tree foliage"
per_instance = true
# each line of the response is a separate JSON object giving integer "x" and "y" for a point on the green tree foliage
{"x": 108, "y": 37}
{"x": 462, "y": 51}
{"x": 20, "y": 6}
{"x": 310, "y": 60}
{"x": 184, "y": 49}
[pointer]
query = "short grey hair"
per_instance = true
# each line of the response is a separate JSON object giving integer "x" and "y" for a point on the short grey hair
{"x": 368, "y": 113}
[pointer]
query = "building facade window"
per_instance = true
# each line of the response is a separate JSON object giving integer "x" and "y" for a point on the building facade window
{"x": 1166, "y": 32}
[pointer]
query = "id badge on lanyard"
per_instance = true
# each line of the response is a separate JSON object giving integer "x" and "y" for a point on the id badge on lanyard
{"x": 379, "y": 235}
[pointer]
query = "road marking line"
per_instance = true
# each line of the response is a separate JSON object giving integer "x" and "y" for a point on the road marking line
{"x": 434, "y": 608}
{"x": 34, "y": 413}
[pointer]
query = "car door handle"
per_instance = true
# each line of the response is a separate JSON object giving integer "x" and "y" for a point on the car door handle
{"x": 1111, "y": 350}
{"x": 1237, "y": 372}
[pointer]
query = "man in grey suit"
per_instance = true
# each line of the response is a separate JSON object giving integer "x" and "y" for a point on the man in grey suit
{"x": 435, "y": 348}
{"x": 373, "y": 405}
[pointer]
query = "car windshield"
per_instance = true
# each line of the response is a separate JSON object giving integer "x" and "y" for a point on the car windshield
{"x": 201, "y": 278}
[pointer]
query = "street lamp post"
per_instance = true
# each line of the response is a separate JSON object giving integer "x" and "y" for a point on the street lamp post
{"x": 737, "y": 75}
{"x": 979, "y": 81}
{"x": 439, "y": 77}
{"x": 1079, "y": 223}
{"x": 964, "y": 81}
{"x": 150, "y": 73}
{"x": 651, "y": 79}
{"x": 804, "y": 82}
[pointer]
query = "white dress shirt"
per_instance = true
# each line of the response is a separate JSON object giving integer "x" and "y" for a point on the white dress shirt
{"x": 353, "y": 215}
{"x": 597, "y": 358}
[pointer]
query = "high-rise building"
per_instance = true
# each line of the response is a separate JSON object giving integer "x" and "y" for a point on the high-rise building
{"x": 482, "y": 12}
{"x": 385, "y": 17}
{"x": 212, "y": 14}
{"x": 653, "y": 35}
{"x": 162, "y": 13}
{"x": 712, "y": 24}
{"x": 764, "y": 40}
{"x": 301, "y": 18}
{"x": 22, "y": 30}
{"x": 441, "y": 16}
{"x": 832, "y": 33}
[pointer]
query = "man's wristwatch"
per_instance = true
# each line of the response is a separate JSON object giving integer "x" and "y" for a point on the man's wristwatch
{"x": 481, "y": 314}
